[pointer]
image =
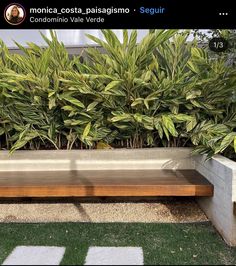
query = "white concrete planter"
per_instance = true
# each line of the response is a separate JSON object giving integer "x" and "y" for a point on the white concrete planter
{"x": 220, "y": 171}
{"x": 156, "y": 158}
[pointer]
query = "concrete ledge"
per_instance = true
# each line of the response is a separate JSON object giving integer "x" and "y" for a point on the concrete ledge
{"x": 44, "y": 160}
{"x": 221, "y": 172}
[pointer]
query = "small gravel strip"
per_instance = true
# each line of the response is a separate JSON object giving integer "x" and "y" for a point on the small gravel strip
{"x": 174, "y": 210}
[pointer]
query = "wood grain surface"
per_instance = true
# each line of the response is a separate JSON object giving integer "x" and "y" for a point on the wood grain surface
{"x": 104, "y": 183}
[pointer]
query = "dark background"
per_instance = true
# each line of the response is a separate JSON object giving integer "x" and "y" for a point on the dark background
{"x": 180, "y": 14}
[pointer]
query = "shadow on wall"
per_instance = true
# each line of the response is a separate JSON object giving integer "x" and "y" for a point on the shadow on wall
{"x": 89, "y": 191}
{"x": 171, "y": 164}
{"x": 88, "y": 185}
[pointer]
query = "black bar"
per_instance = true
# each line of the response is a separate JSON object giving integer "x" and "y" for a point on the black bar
{"x": 169, "y": 14}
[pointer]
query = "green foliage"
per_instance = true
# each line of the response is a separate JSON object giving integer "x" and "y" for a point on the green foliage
{"x": 162, "y": 91}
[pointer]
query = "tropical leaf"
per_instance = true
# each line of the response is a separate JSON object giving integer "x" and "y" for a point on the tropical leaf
{"x": 73, "y": 100}
{"x": 191, "y": 124}
{"x": 112, "y": 84}
{"x": 235, "y": 144}
{"x": 227, "y": 140}
{"x": 169, "y": 125}
{"x": 86, "y": 131}
{"x": 92, "y": 105}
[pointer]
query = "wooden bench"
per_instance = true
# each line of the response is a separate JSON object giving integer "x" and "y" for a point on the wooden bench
{"x": 104, "y": 183}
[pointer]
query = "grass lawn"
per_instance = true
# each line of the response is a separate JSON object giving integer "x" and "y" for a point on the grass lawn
{"x": 162, "y": 243}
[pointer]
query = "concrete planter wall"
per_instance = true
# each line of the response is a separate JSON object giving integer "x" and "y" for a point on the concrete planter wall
{"x": 156, "y": 158}
{"x": 220, "y": 171}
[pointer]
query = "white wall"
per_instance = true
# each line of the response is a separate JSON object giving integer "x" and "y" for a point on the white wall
{"x": 68, "y": 37}
{"x": 21, "y": 36}
{"x": 221, "y": 172}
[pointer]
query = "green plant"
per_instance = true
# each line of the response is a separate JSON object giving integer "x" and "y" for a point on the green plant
{"x": 163, "y": 91}
{"x": 124, "y": 87}
{"x": 28, "y": 112}
{"x": 218, "y": 134}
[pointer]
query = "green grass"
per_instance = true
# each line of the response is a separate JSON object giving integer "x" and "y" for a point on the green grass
{"x": 162, "y": 243}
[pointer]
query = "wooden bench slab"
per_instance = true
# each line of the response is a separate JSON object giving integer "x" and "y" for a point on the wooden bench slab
{"x": 104, "y": 183}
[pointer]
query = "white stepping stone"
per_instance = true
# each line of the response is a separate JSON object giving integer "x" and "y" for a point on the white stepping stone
{"x": 35, "y": 255}
{"x": 114, "y": 256}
